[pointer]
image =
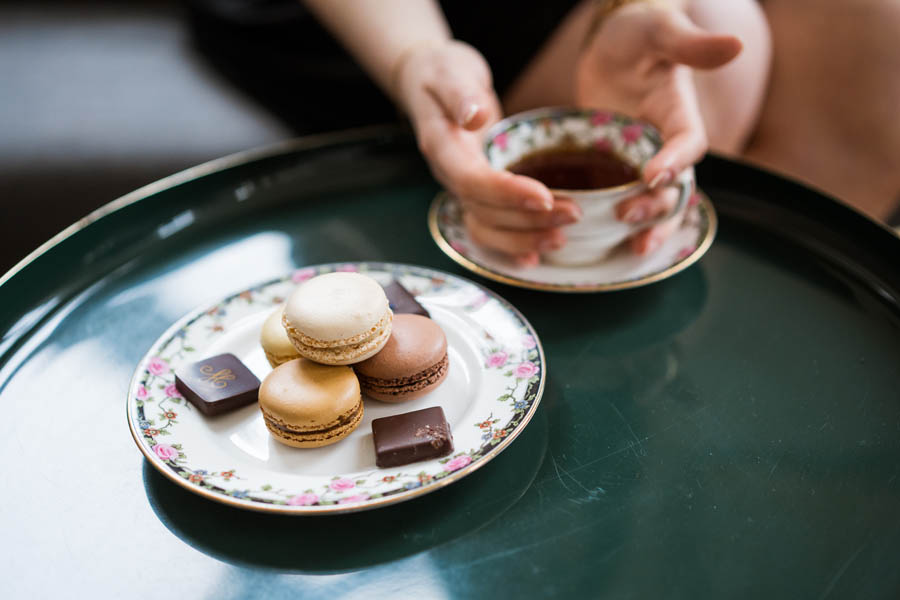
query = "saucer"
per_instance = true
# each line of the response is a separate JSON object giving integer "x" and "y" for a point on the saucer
{"x": 619, "y": 271}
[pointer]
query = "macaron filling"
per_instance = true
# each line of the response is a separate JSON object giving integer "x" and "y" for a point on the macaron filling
{"x": 320, "y": 433}
{"x": 298, "y": 338}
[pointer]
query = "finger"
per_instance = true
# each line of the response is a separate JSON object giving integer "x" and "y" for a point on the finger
{"x": 681, "y": 41}
{"x": 649, "y": 240}
{"x": 681, "y": 127}
{"x": 565, "y": 212}
{"x": 513, "y": 242}
{"x": 646, "y": 207}
{"x": 460, "y": 164}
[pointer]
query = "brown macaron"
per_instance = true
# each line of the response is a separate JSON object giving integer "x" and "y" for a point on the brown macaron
{"x": 306, "y": 405}
{"x": 412, "y": 363}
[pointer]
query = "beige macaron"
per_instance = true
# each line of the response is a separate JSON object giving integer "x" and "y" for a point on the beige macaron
{"x": 307, "y": 405}
{"x": 275, "y": 341}
{"x": 338, "y": 318}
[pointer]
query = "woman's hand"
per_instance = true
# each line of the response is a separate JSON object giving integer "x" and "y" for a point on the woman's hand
{"x": 638, "y": 62}
{"x": 447, "y": 91}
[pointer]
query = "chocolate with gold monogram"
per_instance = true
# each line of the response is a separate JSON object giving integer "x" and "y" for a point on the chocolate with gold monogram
{"x": 217, "y": 384}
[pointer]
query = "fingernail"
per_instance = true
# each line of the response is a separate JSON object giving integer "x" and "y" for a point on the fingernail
{"x": 550, "y": 244}
{"x": 664, "y": 177}
{"x": 635, "y": 214}
{"x": 470, "y": 109}
{"x": 563, "y": 219}
{"x": 528, "y": 260}
{"x": 538, "y": 203}
{"x": 653, "y": 244}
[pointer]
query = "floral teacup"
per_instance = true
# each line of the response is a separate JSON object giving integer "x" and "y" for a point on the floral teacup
{"x": 632, "y": 141}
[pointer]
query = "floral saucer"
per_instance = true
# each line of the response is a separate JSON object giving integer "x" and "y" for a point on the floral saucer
{"x": 620, "y": 270}
{"x": 494, "y": 385}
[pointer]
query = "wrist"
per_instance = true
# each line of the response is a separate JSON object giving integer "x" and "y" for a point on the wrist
{"x": 603, "y": 9}
{"x": 408, "y": 56}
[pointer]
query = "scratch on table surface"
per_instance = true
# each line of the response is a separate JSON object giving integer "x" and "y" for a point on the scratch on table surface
{"x": 631, "y": 431}
{"x": 842, "y": 570}
{"x": 629, "y": 447}
{"x": 558, "y": 476}
{"x": 775, "y": 466}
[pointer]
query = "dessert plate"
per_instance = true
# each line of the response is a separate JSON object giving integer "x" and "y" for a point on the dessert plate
{"x": 621, "y": 270}
{"x": 495, "y": 382}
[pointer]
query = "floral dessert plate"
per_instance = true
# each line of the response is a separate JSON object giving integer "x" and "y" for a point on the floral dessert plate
{"x": 620, "y": 270}
{"x": 493, "y": 387}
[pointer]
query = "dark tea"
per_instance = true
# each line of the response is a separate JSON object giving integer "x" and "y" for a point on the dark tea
{"x": 574, "y": 168}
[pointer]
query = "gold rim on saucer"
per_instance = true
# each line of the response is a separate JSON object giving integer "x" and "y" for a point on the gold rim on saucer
{"x": 709, "y": 226}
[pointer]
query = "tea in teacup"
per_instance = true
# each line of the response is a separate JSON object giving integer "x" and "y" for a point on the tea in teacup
{"x": 571, "y": 167}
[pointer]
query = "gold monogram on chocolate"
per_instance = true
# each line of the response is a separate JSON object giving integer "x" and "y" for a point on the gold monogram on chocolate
{"x": 218, "y": 378}
{"x": 217, "y": 384}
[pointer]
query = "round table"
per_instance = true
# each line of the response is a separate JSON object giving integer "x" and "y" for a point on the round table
{"x": 733, "y": 431}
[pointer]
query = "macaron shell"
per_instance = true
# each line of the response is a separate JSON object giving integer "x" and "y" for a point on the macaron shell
{"x": 336, "y": 307}
{"x": 275, "y": 341}
{"x": 416, "y": 344}
{"x": 413, "y": 362}
{"x": 307, "y": 395}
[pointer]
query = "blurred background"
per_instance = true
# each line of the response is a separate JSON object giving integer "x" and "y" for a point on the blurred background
{"x": 98, "y": 98}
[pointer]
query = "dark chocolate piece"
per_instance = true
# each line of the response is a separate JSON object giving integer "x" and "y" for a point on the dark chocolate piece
{"x": 411, "y": 437}
{"x": 402, "y": 302}
{"x": 217, "y": 384}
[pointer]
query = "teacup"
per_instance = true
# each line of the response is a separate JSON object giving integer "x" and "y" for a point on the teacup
{"x": 538, "y": 132}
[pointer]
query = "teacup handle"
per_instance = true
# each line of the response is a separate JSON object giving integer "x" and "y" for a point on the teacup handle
{"x": 685, "y": 184}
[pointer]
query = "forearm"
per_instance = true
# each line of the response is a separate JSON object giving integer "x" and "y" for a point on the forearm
{"x": 381, "y": 33}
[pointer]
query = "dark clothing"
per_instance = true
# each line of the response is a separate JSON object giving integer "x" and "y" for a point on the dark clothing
{"x": 277, "y": 53}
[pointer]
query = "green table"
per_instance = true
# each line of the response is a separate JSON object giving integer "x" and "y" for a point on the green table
{"x": 733, "y": 431}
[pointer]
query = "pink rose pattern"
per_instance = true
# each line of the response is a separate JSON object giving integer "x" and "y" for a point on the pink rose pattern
{"x": 526, "y": 370}
{"x": 601, "y": 117}
{"x": 528, "y": 342}
{"x": 303, "y": 500}
{"x": 632, "y": 133}
{"x": 497, "y": 359}
{"x": 142, "y": 392}
{"x": 172, "y": 391}
{"x": 352, "y": 499}
{"x": 165, "y": 451}
{"x": 157, "y": 366}
{"x": 501, "y": 140}
{"x": 301, "y": 275}
{"x": 341, "y": 484}
{"x": 458, "y": 463}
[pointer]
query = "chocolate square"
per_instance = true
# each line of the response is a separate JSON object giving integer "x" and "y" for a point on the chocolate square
{"x": 402, "y": 302}
{"x": 411, "y": 437}
{"x": 217, "y": 384}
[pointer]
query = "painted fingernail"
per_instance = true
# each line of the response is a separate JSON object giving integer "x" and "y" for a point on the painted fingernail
{"x": 635, "y": 214}
{"x": 470, "y": 109}
{"x": 664, "y": 177}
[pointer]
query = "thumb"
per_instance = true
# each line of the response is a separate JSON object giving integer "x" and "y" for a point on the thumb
{"x": 681, "y": 41}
